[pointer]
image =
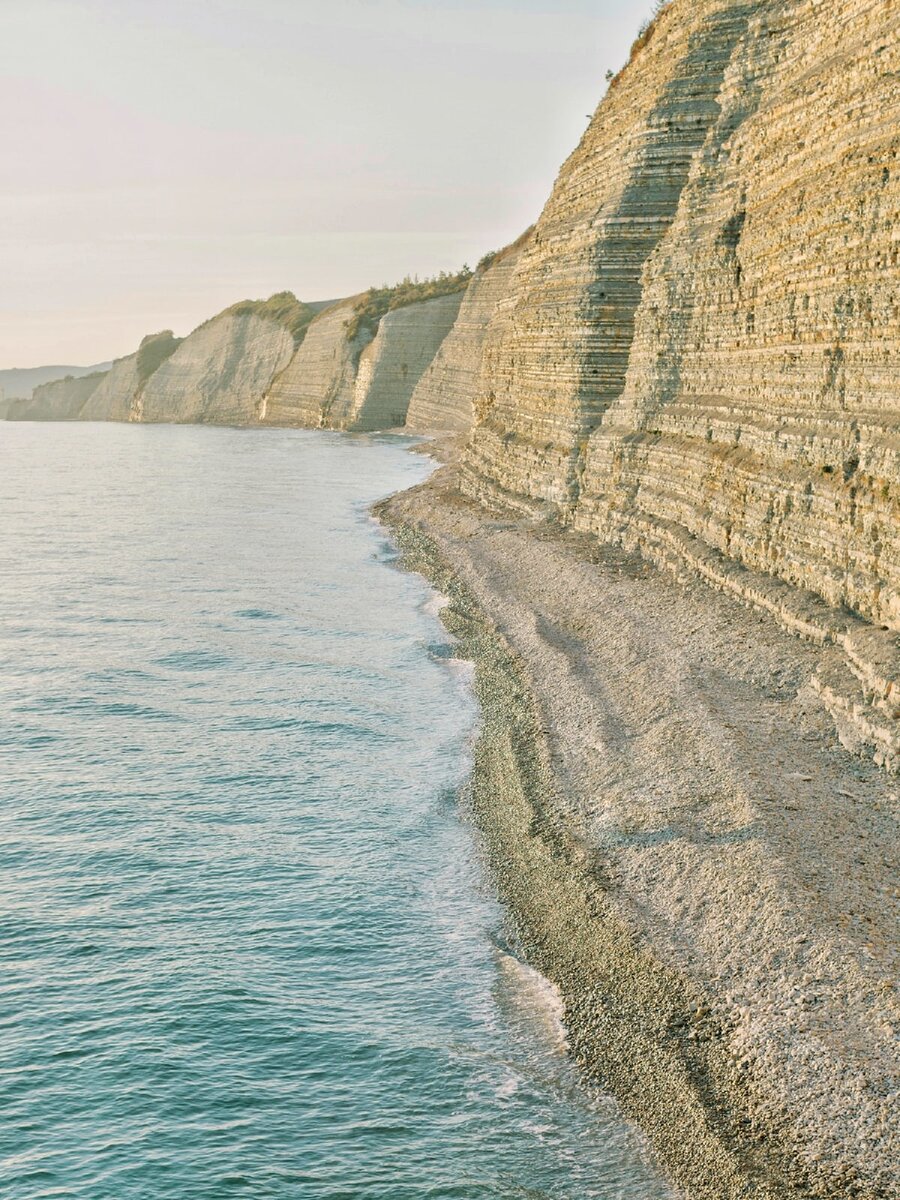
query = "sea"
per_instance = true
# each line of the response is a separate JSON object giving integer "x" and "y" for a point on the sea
{"x": 248, "y": 944}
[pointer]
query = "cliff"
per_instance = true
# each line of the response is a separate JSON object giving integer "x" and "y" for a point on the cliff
{"x": 444, "y": 396}
{"x": 394, "y": 362}
{"x": 18, "y": 383}
{"x": 356, "y": 375}
{"x": 60, "y": 400}
{"x": 761, "y": 403}
{"x": 220, "y": 373}
{"x": 700, "y": 352}
{"x": 118, "y": 396}
{"x": 320, "y": 376}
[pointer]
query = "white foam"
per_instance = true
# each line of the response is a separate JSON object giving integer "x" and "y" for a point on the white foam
{"x": 462, "y": 669}
{"x": 539, "y": 996}
{"x": 435, "y": 604}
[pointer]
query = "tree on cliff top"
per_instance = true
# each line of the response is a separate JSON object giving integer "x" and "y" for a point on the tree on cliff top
{"x": 372, "y": 305}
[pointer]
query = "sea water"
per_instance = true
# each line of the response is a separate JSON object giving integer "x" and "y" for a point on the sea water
{"x": 247, "y": 944}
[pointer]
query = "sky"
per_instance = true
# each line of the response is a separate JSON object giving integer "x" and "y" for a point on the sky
{"x": 163, "y": 159}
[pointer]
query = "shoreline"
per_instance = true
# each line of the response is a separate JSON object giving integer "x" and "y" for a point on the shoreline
{"x": 669, "y": 1040}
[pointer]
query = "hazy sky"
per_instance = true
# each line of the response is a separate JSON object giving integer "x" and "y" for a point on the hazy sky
{"x": 164, "y": 158}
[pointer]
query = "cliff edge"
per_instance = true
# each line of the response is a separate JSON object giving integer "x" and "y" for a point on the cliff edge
{"x": 700, "y": 352}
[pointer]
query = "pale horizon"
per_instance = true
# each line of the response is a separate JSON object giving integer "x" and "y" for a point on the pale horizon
{"x": 167, "y": 160}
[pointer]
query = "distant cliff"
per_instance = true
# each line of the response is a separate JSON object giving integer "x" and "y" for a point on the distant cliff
{"x": 394, "y": 361}
{"x": 118, "y": 396}
{"x": 350, "y": 364}
{"x": 443, "y": 398}
{"x": 361, "y": 360}
{"x": 320, "y": 376}
{"x": 219, "y": 374}
{"x": 18, "y": 383}
{"x": 60, "y": 400}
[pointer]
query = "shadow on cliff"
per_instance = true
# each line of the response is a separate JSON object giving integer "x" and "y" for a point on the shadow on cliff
{"x": 686, "y": 120}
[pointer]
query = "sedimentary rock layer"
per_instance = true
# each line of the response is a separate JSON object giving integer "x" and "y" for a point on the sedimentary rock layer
{"x": 320, "y": 377}
{"x": 579, "y": 283}
{"x": 219, "y": 374}
{"x": 761, "y": 410}
{"x": 118, "y": 397}
{"x": 700, "y": 355}
{"x": 114, "y": 398}
{"x": 444, "y": 397}
{"x": 362, "y": 383}
{"x": 61, "y": 400}
{"x": 394, "y": 362}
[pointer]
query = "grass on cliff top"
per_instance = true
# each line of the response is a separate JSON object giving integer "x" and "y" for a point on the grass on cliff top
{"x": 497, "y": 256}
{"x": 283, "y": 308}
{"x": 153, "y": 352}
{"x": 645, "y": 35}
{"x": 65, "y": 379}
{"x": 372, "y": 305}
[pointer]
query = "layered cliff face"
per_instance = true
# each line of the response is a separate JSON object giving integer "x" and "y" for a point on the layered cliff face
{"x": 321, "y": 375}
{"x": 444, "y": 397}
{"x": 394, "y": 362}
{"x": 700, "y": 353}
{"x": 338, "y": 380}
{"x": 579, "y": 283}
{"x": 118, "y": 397}
{"x": 219, "y": 374}
{"x": 761, "y": 409}
{"x": 60, "y": 400}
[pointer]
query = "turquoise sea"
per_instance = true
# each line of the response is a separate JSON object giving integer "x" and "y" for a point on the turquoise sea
{"x": 247, "y": 945}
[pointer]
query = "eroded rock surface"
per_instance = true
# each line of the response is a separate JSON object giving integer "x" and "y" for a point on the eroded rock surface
{"x": 320, "y": 377}
{"x": 700, "y": 355}
{"x": 444, "y": 397}
{"x": 219, "y": 374}
{"x": 60, "y": 400}
{"x": 394, "y": 362}
{"x": 365, "y": 382}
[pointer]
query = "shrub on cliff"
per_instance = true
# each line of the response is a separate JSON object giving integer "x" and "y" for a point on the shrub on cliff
{"x": 645, "y": 34}
{"x": 283, "y": 308}
{"x": 497, "y": 256}
{"x": 377, "y": 302}
{"x": 153, "y": 352}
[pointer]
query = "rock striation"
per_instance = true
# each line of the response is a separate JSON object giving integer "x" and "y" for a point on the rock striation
{"x": 700, "y": 352}
{"x": 219, "y": 374}
{"x": 361, "y": 382}
{"x": 320, "y": 378}
{"x": 443, "y": 399}
{"x": 59, "y": 400}
{"x": 118, "y": 397}
{"x": 395, "y": 360}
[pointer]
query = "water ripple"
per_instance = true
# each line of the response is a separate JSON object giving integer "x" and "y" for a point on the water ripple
{"x": 246, "y": 948}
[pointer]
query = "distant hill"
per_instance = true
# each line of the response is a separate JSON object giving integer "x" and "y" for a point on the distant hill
{"x": 19, "y": 382}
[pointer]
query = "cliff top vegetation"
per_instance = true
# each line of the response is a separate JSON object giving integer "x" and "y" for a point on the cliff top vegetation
{"x": 645, "y": 34}
{"x": 153, "y": 352}
{"x": 283, "y": 308}
{"x": 52, "y": 383}
{"x": 497, "y": 256}
{"x": 372, "y": 305}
